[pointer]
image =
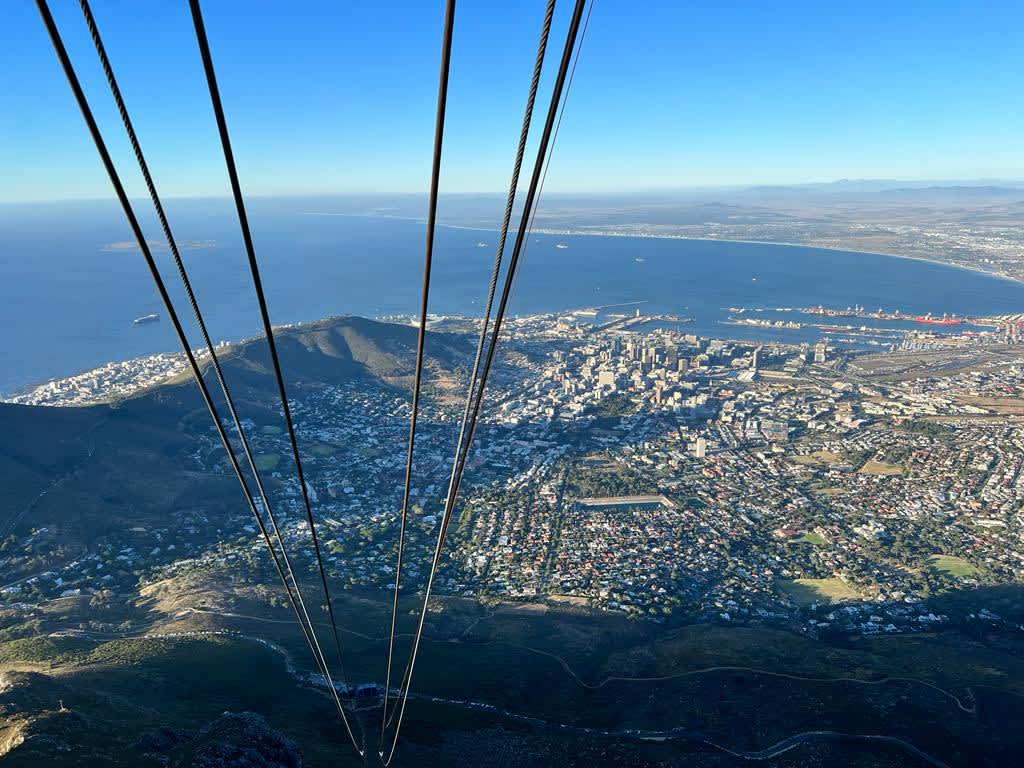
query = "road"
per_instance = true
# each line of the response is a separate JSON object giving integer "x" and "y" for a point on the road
{"x": 674, "y": 734}
{"x": 969, "y": 709}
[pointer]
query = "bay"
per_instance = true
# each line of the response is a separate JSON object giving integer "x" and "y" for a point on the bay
{"x": 71, "y": 283}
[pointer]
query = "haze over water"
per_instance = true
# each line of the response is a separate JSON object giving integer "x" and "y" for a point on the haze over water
{"x": 67, "y": 298}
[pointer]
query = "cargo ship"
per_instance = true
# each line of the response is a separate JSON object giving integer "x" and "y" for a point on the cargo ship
{"x": 859, "y": 311}
{"x": 944, "y": 320}
{"x": 146, "y": 319}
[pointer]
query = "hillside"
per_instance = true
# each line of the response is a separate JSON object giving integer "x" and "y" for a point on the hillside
{"x": 340, "y": 349}
{"x": 82, "y": 473}
{"x": 650, "y": 696}
{"x": 37, "y": 446}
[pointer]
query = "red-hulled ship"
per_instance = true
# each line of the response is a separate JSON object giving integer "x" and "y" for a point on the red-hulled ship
{"x": 944, "y": 320}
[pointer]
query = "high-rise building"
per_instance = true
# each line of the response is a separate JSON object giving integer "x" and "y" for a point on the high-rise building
{"x": 1012, "y": 332}
{"x": 820, "y": 350}
{"x": 700, "y": 448}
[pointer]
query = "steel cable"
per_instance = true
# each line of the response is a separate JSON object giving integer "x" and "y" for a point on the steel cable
{"x": 556, "y": 96}
{"x": 503, "y": 236}
{"x": 243, "y": 219}
{"x": 161, "y": 287}
{"x": 435, "y": 175}
{"x": 197, "y": 313}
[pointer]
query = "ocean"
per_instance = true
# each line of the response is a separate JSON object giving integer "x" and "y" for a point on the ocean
{"x": 70, "y": 287}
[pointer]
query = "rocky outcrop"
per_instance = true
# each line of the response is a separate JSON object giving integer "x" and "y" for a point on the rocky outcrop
{"x": 238, "y": 740}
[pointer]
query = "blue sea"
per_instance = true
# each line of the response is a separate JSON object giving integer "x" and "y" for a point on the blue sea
{"x": 69, "y": 288}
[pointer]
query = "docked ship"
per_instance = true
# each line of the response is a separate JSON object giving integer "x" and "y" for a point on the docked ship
{"x": 944, "y": 320}
{"x": 146, "y": 319}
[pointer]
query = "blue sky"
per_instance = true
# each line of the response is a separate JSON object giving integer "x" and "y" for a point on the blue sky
{"x": 338, "y": 97}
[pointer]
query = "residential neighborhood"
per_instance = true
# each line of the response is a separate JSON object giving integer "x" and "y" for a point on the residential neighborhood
{"x": 634, "y": 467}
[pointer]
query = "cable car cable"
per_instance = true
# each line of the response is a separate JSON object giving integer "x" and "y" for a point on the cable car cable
{"x": 503, "y": 236}
{"x": 519, "y": 248}
{"x": 556, "y": 96}
{"x": 558, "y": 125}
{"x": 236, "y": 191}
{"x": 435, "y": 175}
{"x": 186, "y": 283}
{"x": 133, "y": 223}
{"x": 533, "y": 215}
{"x": 509, "y": 204}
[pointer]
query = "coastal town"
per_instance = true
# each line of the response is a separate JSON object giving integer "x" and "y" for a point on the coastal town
{"x": 626, "y": 465}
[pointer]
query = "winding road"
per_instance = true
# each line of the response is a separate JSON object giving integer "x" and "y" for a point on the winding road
{"x": 781, "y": 747}
{"x": 674, "y": 734}
{"x": 969, "y": 709}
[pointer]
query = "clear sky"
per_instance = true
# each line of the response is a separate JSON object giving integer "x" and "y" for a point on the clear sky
{"x": 338, "y": 97}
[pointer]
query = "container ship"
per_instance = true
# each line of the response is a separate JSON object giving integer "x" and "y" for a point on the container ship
{"x": 146, "y": 319}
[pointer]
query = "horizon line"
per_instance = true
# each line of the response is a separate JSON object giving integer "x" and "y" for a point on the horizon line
{"x": 980, "y": 181}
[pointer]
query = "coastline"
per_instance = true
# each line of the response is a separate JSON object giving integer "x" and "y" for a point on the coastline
{"x": 839, "y": 249}
{"x": 638, "y": 235}
{"x": 18, "y": 393}
{"x": 855, "y": 251}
